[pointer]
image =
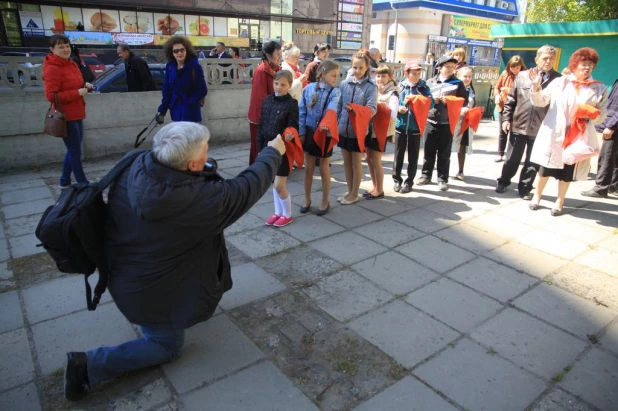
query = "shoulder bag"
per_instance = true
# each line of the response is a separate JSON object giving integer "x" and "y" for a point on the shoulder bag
{"x": 55, "y": 121}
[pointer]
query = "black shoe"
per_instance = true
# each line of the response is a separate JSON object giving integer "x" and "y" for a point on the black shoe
{"x": 555, "y": 212}
{"x": 76, "y": 383}
{"x": 305, "y": 210}
{"x": 422, "y": 181}
{"x": 322, "y": 212}
{"x": 533, "y": 206}
{"x": 500, "y": 188}
{"x": 612, "y": 192}
{"x": 397, "y": 186}
{"x": 405, "y": 189}
{"x": 593, "y": 193}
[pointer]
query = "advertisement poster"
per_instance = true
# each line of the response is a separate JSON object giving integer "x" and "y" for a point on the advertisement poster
{"x": 232, "y": 27}
{"x": 469, "y": 27}
{"x": 351, "y": 8}
{"x": 133, "y": 39}
{"x": 89, "y": 37}
{"x": 348, "y": 36}
{"x": 349, "y": 45}
{"x": 31, "y": 23}
{"x": 169, "y": 24}
{"x": 52, "y": 19}
{"x": 101, "y": 20}
{"x": 361, "y": 2}
{"x": 210, "y": 41}
{"x": 198, "y": 25}
{"x": 352, "y": 18}
{"x": 145, "y": 23}
{"x": 350, "y": 27}
{"x": 72, "y": 16}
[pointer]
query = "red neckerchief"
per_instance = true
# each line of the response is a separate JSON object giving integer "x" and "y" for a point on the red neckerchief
{"x": 270, "y": 68}
{"x": 578, "y": 83}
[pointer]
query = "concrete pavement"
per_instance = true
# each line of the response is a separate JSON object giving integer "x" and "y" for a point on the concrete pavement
{"x": 457, "y": 300}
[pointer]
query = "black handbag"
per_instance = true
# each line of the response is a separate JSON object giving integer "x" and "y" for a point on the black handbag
{"x": 55, "y": 120}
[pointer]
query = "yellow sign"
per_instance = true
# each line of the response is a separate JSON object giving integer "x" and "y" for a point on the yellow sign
{"x": 470, "y": 28}
{"x": 314, "y": 31}
{"x": 206, "y": 41}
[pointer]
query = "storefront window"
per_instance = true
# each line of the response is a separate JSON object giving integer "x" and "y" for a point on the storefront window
{"x": 286, "y": 31}
{"x": 29, "y": 7}
{"x": 9, "y": 17}
{"x": 232, "y": 27}
{"x": 275, "y": 30}
{"x": 220, "y": 26}
{"x": 282, "y": 6}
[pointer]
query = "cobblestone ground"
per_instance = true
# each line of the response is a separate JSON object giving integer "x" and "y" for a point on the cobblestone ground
{"x": 457, "y": 300}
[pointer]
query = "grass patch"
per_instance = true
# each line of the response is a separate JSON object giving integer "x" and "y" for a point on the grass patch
{"x": 491, "y": 351}
{"x": 560, "y": 376}
{"x": 346, "y": 367}
{"x": 397, "y": 372}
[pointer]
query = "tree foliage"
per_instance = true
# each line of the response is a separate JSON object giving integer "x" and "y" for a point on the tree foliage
{"x": 557, "y": 11}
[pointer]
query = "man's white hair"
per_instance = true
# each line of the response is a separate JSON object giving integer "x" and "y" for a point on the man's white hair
{"x": 546, "y": 49}
{"x": 178, "y": 143}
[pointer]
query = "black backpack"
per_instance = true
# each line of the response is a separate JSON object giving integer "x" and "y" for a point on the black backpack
{"x": 73, "y": 230}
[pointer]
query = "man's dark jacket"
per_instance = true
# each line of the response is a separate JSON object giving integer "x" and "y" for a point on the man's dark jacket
{"x": 438, "y": 113}
{"x": 524, "y": 117}
{"x": 169, "y": 265}
{"x": 225, "y": 55}
{"x": 138, "y": 74}
{"x": 611, "y": 121}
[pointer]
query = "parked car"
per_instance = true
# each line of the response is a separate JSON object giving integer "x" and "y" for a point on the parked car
{"x": 115, "y": 79}
{"x": 93, "y": 62}
{"x": 26, "y": 65}
{"x": 119, "y": 61}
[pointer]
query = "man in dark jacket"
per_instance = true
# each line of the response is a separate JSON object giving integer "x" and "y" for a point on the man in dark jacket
{"x": 523, "y": 120}
{"x": 607, "y": 173}
{"x": 169, "y": 265}
{"x": 438, "y": 135}
{"x": 136, "y": 70}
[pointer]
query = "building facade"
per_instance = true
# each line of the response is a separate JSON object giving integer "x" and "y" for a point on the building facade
{"x": 245, "y": 24}
{"x": 407, "y": 30}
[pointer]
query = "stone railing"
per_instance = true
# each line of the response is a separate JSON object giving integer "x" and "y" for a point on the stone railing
{"x": 17, "y": 73}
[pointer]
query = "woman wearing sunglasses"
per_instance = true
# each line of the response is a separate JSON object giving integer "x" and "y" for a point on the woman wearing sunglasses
{"x": 184, "y": 86}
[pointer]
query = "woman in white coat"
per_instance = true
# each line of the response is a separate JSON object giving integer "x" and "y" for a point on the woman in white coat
{"x": 291, "y": 56}
{"x": 565, "y": 97}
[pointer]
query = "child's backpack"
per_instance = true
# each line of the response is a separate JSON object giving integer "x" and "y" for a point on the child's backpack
{"x": 73, "y": 230}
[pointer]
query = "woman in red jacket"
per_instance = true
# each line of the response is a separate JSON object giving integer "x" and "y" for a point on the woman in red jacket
{"x": 63, "y": 77}
{"x": 262, "y": 86}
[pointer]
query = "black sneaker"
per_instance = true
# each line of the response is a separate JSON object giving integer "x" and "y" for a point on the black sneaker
{"x": 500, "y": 188}
{"x": 405, "y": 189}
{"x": 76, "y": 383}
{"x": 397, "y": 186}
{"x": 593, "y": 193}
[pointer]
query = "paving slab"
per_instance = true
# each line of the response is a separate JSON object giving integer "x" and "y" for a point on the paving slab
{"x": 261, "y": 388}
{"x": 212, "y": 349}
{"x": 262, "y": 241}
{"x": 4, "y": 250}
{"x": 600, "y": 259}
{"x": 387, "y": 206}
{"x": 435, "y": 253}
{"x": 5, "y": 273}
{"x": 595, "y": 218}
{"x": 471, "y": 238}
{"x": 250, "y": 283}
{"x": 25, "y": 245}
{"x": 456, "y": 210}
{"x": 21, "y": 398}
{"x": 2, "y": 233}
{"x": 424, "y": 220}
{"x": 18, "y": 177}
{"x": 526, "y": 259}
{"x": 610, "y": 339}
{"x": 346, "y": 294}
{"x": 25, "y": 195}
{"x": 145, "y": 398}
{"x": 31, "y": 207}
{"x": 80, "y": 331}
{"x": 16, "y": 365}
{"x": 408, "y": 394}
{"x": 389, "y": 233}
{"x": 478, "y": 380}
{"x": 565, "y": 310}
{"x": 299, "y": 266}
{"x": 529, "y": 343}
{"x": 403, "y": 332}
{"x": 22, "y": 225}
{"x": 493, "y": 279}
{"x": 588, "y": 283}
{"x": 499, "y": 225}
{"x": 351, "y": 216}
{"x": 21, "y": 185}
{"x": 581, "y": 232}
{"x": 311, "y": 228}
{"x": 558, "y": 400}
{"x": 244, "y": 223}
{"x": 58, "y": 297}
{"x": 348, "y": 247}
{"x": 554, "y": 243}
{"x": 520, "y": 211}
{"x": 610, "y": 243}
{"x": 454, "y": 304}
{"x": 10, "y": 312}
{"x": 594, "y": 378}
{"x": 394, "y": 272}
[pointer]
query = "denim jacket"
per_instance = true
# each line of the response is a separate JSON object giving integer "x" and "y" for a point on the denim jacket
{"x": 311, "y": 116}
{"x": 407, "y": 121}
{"x": 364, "y": 93}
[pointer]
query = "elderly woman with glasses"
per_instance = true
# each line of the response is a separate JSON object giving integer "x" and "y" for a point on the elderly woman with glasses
{"x": 291, "y": 55}
{"x": 184, "y": 85}
{"x": 567, "y": 137}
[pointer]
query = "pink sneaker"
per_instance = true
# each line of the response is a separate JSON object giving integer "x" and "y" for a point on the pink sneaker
{"x": 283, "y": 221}
{"x": 272, "y": 219}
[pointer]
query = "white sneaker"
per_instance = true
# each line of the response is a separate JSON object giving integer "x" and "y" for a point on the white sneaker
{"x": 442, "y": 186}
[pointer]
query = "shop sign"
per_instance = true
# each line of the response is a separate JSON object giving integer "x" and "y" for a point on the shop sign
{"x": 457, "y": 41}
{"x": 469, "y": 27}
{"x": 31, "y": 23}
{"x": 203, "y": 41}
{"x": 133, "y": 39}
{"x": 348, "y": 36}
{"x": 439, "y": 39}
{"x": 354, "y": 18}
{"x": 350, "y": 27}
{"x": 353, "y": 45}
{"x": 85, "y": 37}
{"x": 315, "y": 31}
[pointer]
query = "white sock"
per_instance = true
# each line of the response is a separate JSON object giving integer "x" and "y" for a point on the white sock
{"x": 278, "y": 208}
{"x": 286, "y": 205}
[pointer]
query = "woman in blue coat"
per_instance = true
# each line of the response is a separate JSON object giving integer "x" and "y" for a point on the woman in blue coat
{"x": 184, "y": 87}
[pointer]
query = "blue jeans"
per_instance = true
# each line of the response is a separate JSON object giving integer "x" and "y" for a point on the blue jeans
{"x": 72, "y": 159}
{"x": 158, "y": 346}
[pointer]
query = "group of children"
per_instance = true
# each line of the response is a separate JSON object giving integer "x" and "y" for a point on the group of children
{"x": 359, "y": 117}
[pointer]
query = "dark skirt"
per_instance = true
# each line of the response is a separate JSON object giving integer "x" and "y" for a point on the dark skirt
{"x": 465, "y": 139}
{"x": 373, "y": 143}
{"x": 564, "y": 174}
{"x": 284, "y": 168}
{"x": 311, "y": 148}
{"x": 350, "y": 144}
